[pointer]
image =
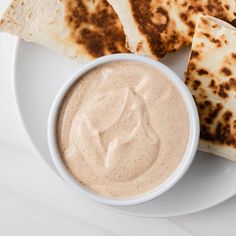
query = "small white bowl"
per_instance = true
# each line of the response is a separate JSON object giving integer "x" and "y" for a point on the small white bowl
{"x": 181, "y": 168}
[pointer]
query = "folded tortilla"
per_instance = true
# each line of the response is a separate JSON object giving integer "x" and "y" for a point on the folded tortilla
{"x": 157, "y": 27}
{"x": 79, "y": 29}
{"x": 211, "y": 77}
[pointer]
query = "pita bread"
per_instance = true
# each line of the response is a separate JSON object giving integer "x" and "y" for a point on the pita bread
{"x": 79, "y": 29}
{"x": 211, "y": 77}
{"x": 157, "y": 27}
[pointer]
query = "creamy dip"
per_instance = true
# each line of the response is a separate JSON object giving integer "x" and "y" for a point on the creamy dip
{"x": 122, "y": 129}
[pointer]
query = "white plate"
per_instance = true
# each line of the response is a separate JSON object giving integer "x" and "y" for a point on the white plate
{"x": 39, "y": 73}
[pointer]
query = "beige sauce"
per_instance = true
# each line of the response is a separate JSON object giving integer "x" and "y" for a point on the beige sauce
{"x": 122, "y": 129}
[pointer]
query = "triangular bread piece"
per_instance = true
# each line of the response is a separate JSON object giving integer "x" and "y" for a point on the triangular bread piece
{"x": 211, "y": 77}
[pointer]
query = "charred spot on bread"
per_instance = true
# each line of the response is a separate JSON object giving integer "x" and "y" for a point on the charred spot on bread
{"x": 232, "y": 83}
{"x": 226, "y": 71}
{"x": 212, "y": 84}
{"x": 93, "y": 41}
{"x": 194, "y": 54}
{"x": 203, "y": 72}
{"x": 139, "y": 47}
{"x": 222, "y": 93}
{"x": 217, "y": 42}
{"x": 227, "y": 115}
{"x": 196, "y": 84}
{"x": 233, "y": 55}
{"x": 191, "y": 66}
{"x": 184, "y": 16}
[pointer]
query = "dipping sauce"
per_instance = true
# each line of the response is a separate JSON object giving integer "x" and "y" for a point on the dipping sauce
{"x": 122, "y": 129}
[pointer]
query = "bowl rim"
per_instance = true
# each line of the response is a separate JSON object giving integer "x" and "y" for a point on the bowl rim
{"x": 182, "y": 167}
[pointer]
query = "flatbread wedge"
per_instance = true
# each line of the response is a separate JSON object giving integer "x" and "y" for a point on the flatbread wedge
{"x": 211, "y": 78}
{"x": 156, "y": 27}
{"x": 79, "y": 29}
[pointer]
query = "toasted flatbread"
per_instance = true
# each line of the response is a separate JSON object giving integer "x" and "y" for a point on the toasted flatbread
{"x": 157, "y": 27}
{"x": 79, "y": 29}
{"x": 211, "y": 77}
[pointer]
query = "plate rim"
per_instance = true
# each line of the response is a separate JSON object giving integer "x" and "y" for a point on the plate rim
{"x": 19, "y": 112}
{"x": 117, "y": 210}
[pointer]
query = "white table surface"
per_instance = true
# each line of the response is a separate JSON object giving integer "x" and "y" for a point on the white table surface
{"x": 35, "y": 201}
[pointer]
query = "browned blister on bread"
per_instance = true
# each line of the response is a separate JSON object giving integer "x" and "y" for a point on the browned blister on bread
{"x": 79, "y": 29}
{"x": 157, "y": 27}
{"x": 211, "y": 77}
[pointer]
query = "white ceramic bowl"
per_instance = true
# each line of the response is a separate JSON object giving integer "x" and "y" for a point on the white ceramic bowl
{"x": 181, "y": 168}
